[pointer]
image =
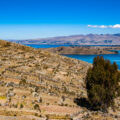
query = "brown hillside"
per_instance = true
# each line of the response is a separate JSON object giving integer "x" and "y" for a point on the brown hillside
{"x": 30, "y": 77}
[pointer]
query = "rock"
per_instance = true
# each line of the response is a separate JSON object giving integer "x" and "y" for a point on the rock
{"x": 35, "y": 94}
{"x": 11, "y": 94}
{"x": 2, "y": 83}
{"x": 23, "y": 97}
{"x": 11, "y": 84}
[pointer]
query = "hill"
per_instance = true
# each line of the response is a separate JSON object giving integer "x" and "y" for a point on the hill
{"x": 83, "y": 50}
{"x": 90, "y": 39}
{"x": 29, "y": 77}
{"x": 39, "y": 85}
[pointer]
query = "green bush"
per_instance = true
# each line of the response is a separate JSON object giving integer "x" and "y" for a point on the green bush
{"x": 21, "y": 106}
{"x": 102, "y": 83}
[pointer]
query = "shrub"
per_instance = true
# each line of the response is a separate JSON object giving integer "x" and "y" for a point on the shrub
{"x": 21, "y": 106}
{"x": 7, "y": 44}
{"x": 22, "y": 82}
{"x": 36, "y": 107}
{"x": 16, "y": 105}
{"x": 36, "y": 89}
{"x": 36, "y": 114}
{"x": 102, "y": 83}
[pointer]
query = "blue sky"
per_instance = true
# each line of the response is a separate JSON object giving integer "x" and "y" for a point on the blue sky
{"x": 26, "y": 19}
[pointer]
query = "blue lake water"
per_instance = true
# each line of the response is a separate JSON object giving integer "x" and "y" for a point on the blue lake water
{"x": 44, "y": 45}
{"x": 53, "y": 46}
{"x": 87, "y": 58}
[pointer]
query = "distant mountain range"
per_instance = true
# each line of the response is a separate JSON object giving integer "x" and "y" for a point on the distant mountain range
{"x": 90, "y": 39}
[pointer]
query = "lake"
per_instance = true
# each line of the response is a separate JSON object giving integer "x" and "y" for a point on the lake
{"x": 45, "y": 46}
{"x": 87, "y": 58}
{"x": 53, "y": 46}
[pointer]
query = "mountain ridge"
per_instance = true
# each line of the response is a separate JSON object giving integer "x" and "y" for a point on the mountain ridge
{"x": 89, "y": 39}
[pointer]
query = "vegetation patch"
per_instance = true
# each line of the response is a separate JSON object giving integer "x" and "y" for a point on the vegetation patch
{"x": 58, "y": 117}
{"x": 102, "y": 83}
{"x": 3, "y": 98}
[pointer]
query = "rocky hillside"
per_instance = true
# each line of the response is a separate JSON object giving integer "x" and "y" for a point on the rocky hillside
{"x": 30, "y": 78}
{"x": 90, "y": 39}
{"x": 39, "y": 85}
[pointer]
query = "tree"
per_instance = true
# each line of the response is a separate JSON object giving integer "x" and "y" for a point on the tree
{"x": 102, "y": 83}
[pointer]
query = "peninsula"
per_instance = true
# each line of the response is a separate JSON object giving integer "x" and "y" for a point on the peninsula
{"x": 84, "y": 50}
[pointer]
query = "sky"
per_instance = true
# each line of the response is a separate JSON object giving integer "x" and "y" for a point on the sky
{"x": 29, "y": 19}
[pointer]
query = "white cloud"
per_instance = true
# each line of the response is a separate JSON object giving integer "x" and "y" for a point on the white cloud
{"x": 105, "y": 26}
{"x": 116, "y": 26}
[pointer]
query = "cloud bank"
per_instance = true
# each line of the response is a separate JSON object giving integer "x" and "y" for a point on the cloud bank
{"x": 104, "y": 26}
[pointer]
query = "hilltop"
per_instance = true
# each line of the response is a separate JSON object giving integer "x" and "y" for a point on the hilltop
{"x": 90, "y": 39}
{"x": 36, "y": 85}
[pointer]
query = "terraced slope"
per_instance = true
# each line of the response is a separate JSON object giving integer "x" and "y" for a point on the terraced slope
{"x": 55, "y": 73}
{"x": 29, "y": 77}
